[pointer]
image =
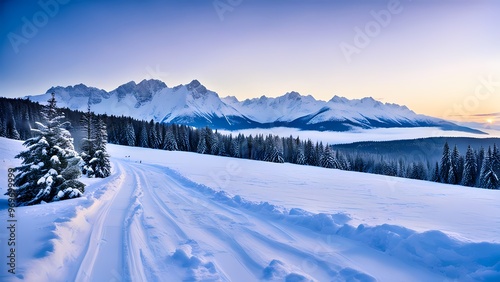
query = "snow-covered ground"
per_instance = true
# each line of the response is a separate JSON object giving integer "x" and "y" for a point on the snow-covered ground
{"x": 175, "y": 216}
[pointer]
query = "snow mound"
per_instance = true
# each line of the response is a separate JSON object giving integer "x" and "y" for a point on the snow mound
{"x": 279, "y": 271}
{"x": 454, "y": 258}
{"x": 349, "y": 274}
{"x": 197, "y": 267}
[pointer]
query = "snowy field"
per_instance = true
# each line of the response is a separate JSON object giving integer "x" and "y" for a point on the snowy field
{"x": 176, "y": 216}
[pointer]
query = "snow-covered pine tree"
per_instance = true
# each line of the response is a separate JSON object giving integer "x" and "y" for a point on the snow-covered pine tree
{"x": 234, "y": 148}
{"x": 184, "y": 139}
{"x": 222, "y": 147}
{"x": 129, "y": 134}
{"x": 417, "y": 171}
{"x": 445, "y": 163}
{"x": 454, "y": 175}
{"x": 344, "y": 163}
{"x": 154, "y": 139}
{"x": 470, "y": 169}
{"x": 11, "y": 127}
{"x": 143, "y": 136}
{"x": 300, "y": 158}
{"x": 495, "y": 160}
{"x": 435, "y": 176}
{"x": 88, "y": 149}
{"x": 328, "y": 159}
{"x": 202, "y": 145}
{"x": 319, "y": 149}
{"x": 488, "y": 178}
{"x": 100, "y": 164}
{"x": 50, "y": 166}
{"x": 479, "y": 160}
{"x": 170, "y": 142}
{"x": 451, "y": 176}
{"x": 3, "y": 128}
{"x": 214, "y": 144}
{"x": 309, "y": 153}
{"x": 460, "y": 169}
{"x": 25, "y": 126}
{"x": 358, "y": 164}
{"x": 273, "y": 150}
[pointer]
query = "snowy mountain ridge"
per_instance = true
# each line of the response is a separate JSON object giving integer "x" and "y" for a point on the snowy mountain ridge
{"x": 193, "y": 104}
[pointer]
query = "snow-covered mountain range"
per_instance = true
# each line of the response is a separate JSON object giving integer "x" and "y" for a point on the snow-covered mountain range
{"x": 193, "y": 104}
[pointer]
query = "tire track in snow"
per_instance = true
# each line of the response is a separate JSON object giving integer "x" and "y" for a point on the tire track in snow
{"x": 217, "y": 227}
{"x": 103, "y": 258}
{"x": 135, "y": 239}
{"x": 175, "y": 253}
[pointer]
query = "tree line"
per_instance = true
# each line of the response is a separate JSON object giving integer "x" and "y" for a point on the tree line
{"x": 477, "y": 168}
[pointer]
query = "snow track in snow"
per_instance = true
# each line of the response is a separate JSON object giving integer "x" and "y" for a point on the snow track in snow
{"x": 155, "y": 225}
{"x": 107, "y": 235}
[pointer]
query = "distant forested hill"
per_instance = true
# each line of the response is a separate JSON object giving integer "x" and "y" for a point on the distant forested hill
{"x": 423, "y": 149}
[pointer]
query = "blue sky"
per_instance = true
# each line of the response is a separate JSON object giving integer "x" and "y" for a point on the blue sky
{"x": 440, "y": 58}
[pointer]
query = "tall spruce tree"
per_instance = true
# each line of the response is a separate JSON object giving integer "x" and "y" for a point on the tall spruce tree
{"x": 100, "y": 163}
{"x": 495, "y": 160}
{"x": 328, "y": 159}
{"x": 488, "y": 178}
{"x": 445, "y": 163}
{"x": 273, "y": 150}
{"x": 170, "y": 142}
{"x": 154, "y": 139}
{"x": 470, "y": 169}
{"x": 129, "y": 134}
{"x": 454, "y": 174}
{"x": 435, "y": 176}
{"x": 479, "y": 160}
{"x": 87, "y": 146}
{"x": 143, "y": 136}
{"x": 50, "y": 166}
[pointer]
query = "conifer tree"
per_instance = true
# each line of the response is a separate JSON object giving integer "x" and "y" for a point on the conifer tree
{"x": 50, "y": 166}
{"x": 488, "y": 178}
{"x": 170, "y": 142}
{"x": 100, "y": 163}
{"x": 445, "y": 163}
{"x": 435, "y": 176}
{"x": 143, "y": 137}
{"x": 11, "y": 126}
{"x": 129, "y": 134}
{"x": 273, "y": 150}
{"x": 300, "y": 159}
{"x": 479, "y": 160}
{"x": 328, "y": 159}
{"x": 309, "y": 153}
{"x": 154, "y": 140}
{"x": 202, "y": 144}
{"x": 454, "y": 174}
{"x": 470, "y": 169}
{"x": 495, "y": 160}
{"x": 87, "y": 146}
{"x": 234, "y": 148}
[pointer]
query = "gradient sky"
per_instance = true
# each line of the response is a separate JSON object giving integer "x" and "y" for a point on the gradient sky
{"x": 440, "y": 58}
